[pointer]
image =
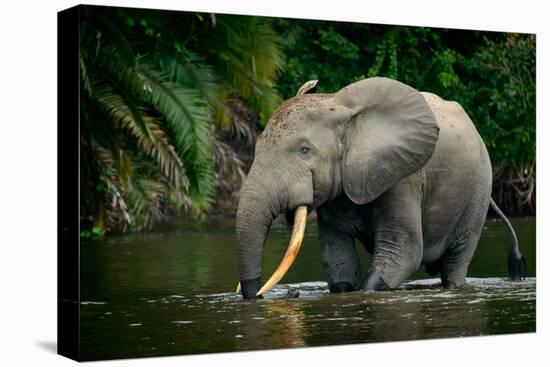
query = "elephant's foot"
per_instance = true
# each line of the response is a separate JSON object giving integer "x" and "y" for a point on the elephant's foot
{"x": 375, "y": 283}
{"x": 341, "y": 287}
{"x": 448, "y": 284}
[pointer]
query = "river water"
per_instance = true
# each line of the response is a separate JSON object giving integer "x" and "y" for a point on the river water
{"x": 171, "y": 292}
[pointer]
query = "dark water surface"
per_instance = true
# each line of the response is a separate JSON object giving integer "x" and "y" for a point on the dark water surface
{"x": 170, "y": 292}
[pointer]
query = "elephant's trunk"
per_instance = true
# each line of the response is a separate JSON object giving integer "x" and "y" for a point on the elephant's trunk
{"x": 258, "y": 206}
{"x": 257, "y": 209}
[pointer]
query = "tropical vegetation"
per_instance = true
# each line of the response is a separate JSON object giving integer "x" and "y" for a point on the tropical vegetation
{"x": 159, "y": 92}
{"x": 172, "y": 102}
{"x": 491, "y": 74}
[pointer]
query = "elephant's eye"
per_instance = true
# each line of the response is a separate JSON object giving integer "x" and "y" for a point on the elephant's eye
{"x": 304, "y": 150}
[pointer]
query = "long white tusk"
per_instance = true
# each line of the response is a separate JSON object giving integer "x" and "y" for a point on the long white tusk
{"x": 291, "y": 252}
{"x": 238, "y": 290}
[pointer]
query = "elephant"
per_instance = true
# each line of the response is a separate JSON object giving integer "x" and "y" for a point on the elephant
{"x": 403, "y": 172}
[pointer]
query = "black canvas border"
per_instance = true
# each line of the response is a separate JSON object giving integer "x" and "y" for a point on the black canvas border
{"x": 68, "y": 183}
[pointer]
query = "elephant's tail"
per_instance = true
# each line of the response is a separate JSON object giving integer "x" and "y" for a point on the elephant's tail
{"x": 517, "y": 265}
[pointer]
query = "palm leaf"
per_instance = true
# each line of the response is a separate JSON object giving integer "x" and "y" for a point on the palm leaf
{"x": 150, "y": 137}
{"x": 115, "y": 211}
{"x": 149, "y": 119}
{"x": 146, "y": 202}
{"x": 249, "y": 54}
{"x": 188, "y": 119}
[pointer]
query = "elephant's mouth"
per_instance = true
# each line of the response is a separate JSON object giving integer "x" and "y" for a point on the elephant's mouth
{"x": 298, "y": 231}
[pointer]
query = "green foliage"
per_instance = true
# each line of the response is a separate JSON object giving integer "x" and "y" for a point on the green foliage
{"x": 155, "y": 89}
{"x": 248, "y": 53}
{"x": 503, "y": 75}
{"x": 492, "y": 75}
{"x": 160, "y": 90}
{"x": 336, "y": 45}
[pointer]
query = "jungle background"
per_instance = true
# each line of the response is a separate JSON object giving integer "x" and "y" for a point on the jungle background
{"x": 172, "y": 102}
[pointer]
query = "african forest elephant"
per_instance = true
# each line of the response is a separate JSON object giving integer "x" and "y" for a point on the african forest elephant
{"x": 403, "y": 172}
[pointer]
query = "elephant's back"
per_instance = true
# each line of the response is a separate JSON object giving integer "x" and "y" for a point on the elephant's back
{"x": 458, "y": 171}
{"x": 458, "y": 136}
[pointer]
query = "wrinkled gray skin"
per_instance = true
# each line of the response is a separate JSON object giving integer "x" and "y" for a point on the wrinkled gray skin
{"x": 404, "y": 173}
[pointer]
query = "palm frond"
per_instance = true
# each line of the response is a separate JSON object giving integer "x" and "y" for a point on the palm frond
{"x": 189, "y": 69}
{"x": 146, "y": 201}
{"x": 188, "y": 119}
{"x": 147, "y": 131}
{"x": 151, "y": 100}
{"x": 115, "y": 211}
{"x": 229, "y": 169}
{"x": 184, "y": 111}
{"x": 243, "y": 129}
{"x": 250, "y": 56}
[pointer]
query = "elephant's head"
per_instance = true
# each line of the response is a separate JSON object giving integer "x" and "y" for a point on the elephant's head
{"x": 358, "y": 141}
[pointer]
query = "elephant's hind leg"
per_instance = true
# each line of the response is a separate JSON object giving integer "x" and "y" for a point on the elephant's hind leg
{"x": 462, "y": 245}
{"x": 340, "y": 261}
{"x": 455, "y": 261}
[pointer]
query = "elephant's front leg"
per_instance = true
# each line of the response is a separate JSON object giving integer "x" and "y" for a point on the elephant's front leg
{"x": 396, "y": 256}
{"x": 340, "y": 260}
{"x": 397, "y": 239}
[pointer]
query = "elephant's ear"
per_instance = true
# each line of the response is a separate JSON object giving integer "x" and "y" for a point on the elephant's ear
{"x": 308, "y": 87}
{"x": 392, "y": 133}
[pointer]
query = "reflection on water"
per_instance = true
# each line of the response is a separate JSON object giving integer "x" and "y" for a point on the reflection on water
{"x": 170, "y": 293}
